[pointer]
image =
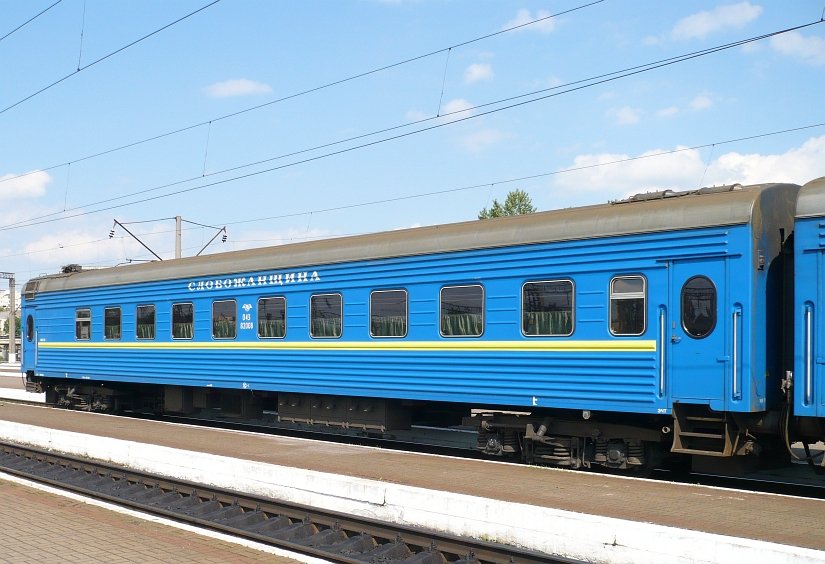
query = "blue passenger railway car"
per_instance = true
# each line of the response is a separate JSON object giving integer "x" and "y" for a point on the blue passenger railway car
{"x": 809, "y": 304}
{"x": 604, "y": 335}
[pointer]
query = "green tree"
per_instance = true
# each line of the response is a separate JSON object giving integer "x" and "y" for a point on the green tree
{"x": 518, "y": 202}
{"x": 6, "y": 326}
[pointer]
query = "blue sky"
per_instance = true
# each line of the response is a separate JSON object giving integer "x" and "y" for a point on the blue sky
{"x": 236, "y": 54}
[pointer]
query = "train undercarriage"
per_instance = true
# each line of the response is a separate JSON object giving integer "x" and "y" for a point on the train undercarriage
{"x": 625, "y": 443}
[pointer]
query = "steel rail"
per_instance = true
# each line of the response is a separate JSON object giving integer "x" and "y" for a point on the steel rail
{"x": 333, "y": 536}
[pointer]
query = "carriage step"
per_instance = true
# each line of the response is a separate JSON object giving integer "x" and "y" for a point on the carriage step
{"x": 698, "y": 430}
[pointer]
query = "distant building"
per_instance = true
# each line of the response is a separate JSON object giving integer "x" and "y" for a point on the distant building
{"x": 4, "y": 299}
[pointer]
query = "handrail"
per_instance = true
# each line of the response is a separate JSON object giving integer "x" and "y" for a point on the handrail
{"x": 808, "y": 354}
{"x": 737, "y": 393}
{"x": 662, "y": 353}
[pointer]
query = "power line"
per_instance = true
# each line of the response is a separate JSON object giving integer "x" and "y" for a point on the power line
{"x": 30, "y": 20}
{"x": 563, "y": 89}
{"x": 301, "y": 93}
{"x": 462, "y": 188}
{"x": 104, "y": 57}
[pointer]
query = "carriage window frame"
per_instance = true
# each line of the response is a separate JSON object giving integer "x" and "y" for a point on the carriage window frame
{"x": 106, "y": 324}
{"x": 481, "y": 307}
{"x": 615, "y": 296}
{"x": 572, "y": 307}
{"x": 340, "y": 314}
{"x": 233, "y": 320}
{"x": 29, "y": 328}
{"x": 80, "y": 321}
{"x": 138, "y": 324}
{"x": 714, "y": 310}
{"x": 258, "y": 320}
{"x": 406, "y": 312}
{"x": 174, "y": 323}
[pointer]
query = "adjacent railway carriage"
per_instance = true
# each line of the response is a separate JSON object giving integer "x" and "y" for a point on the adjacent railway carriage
{"x": 597, "y": 335}
{"x": 809, "y": 347}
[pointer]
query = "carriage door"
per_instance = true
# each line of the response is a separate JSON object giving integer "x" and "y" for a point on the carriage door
{"x": 28, "y": 359}
{"x": 697, "y": 333}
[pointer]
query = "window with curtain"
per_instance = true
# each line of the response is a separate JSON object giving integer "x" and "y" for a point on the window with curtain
{"x": 183, "y": 321}
{"x": 224, "y": 319}
{"x": 325, "y": 316}
{"x": 272, "y": 318}
{"x": 462, "y": 311}
{"x": 547, "y": 308}
{"x": 388, "y": 313}
{"x": 83, "y": 324}
{"x": 628, "y": 295}
{"x": 145, "y": 322}
{"x": 111, "y": 323}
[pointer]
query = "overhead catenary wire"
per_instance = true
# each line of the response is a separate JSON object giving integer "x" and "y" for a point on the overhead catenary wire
{"x": 562, "y": 89}
{"x": 30, "y": 20}
{"x": 444, "y": 191}
{"x": 104, "y": 57}
{"x": 300, "y": 93}
{"x": 82, "y": 29}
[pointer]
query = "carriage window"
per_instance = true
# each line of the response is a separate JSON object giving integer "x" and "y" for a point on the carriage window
{"x": 272, "y": 318}
{"x": 462, "y": 311}
{"x": 29, "y": 328}
{"x": 547, "y": 308}
{"x": 698, "y": 307}
{"x": 111, "y": 323}
{"x": 145, "y": 327}
{"x": 224, "y": 317}
{"x": 325, "y": 313}
{"x": 388, "y": 313}
{"x": 627, "y": 305}
{"x": 83, "y": 324}
{"x": 183, "y": 321}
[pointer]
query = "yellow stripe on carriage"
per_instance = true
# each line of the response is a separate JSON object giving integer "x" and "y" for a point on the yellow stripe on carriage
{"x": 398, "y": 346}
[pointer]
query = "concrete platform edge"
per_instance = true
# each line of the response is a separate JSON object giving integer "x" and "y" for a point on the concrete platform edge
{"x": 579, "y": 536}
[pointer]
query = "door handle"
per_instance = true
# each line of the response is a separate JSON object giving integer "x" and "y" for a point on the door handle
{"x": 675, "y": 339}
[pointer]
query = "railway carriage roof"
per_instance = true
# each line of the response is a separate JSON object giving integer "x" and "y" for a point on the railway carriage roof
{"x": 644, "y": 213}
{"x": 811, "y": 201}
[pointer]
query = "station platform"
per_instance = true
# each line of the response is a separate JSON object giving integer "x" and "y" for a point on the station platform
{"x": 579, "y": 515}
{"x": 88, "y": 532}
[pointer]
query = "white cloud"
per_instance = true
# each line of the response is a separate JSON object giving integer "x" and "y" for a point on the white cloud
{"x": 481, "y": 140}
{"x": 685, "y": 170}
{"x": 456, "y": 109}
{"x": 78, "y": 246}
{"x": 810, "y": 50}
{"x": 237, "y": 87}
{"x": 411, "y": 226}
{"x": 550, "y": 82}
{"x": 701, "y": 102}
{"x": 797, "y": 165}
{"x": 477, "y": 72}
{"x": 524, "y": 17}
{"x": 668, "y": 112}
{"x": 702, "y": 24}
{"x": 30, "y": 185}
{"x": 256, "y": 238}
{"x": 625, "y": 115}
{"x": 416, "y": 115}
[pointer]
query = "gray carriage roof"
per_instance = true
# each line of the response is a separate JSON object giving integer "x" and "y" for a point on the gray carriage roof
{"x": 811, "y": 202}
{"x": 644, "y": 213}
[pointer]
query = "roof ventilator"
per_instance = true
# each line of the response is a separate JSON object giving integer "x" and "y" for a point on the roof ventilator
{"x": 664, "y": 194}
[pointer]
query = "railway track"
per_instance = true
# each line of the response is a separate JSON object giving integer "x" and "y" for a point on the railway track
{"x": 335, "y": 537}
